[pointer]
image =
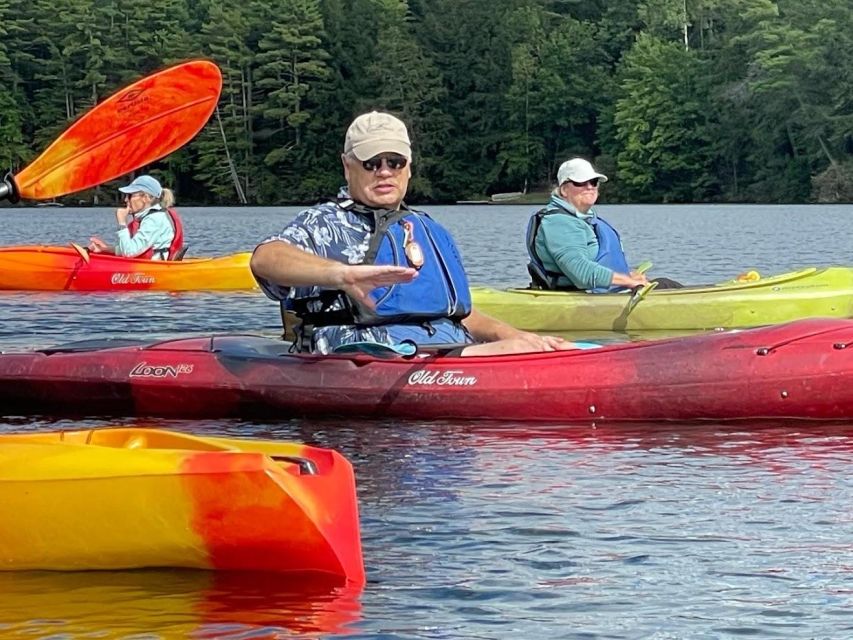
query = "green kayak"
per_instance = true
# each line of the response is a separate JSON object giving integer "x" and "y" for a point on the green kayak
{"x": 745, "y": 302}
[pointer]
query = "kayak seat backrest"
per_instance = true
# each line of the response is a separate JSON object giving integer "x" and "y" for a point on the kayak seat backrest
{"x": 181, "y": 253}
{"x": 536, "y": 281}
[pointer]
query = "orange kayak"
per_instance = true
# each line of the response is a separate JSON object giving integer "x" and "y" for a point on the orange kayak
{"x": 73, "y": 268}
{"x": 130, "y": 498}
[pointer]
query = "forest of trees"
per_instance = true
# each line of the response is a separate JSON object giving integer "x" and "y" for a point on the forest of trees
{"x": 677, "y": 100}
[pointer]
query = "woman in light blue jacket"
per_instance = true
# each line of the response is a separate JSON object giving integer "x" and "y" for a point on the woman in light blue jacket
{"x": 147, "y": 225}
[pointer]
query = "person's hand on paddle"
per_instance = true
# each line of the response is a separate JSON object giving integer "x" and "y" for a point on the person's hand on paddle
{"x": 358, "y": 280}
{"x": 632, "y": 281}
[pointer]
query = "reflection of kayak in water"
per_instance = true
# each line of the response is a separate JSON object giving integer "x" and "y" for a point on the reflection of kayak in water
{"x": 747, "y": 301}
{"x": 171, "y": 604}
{"x": 73, "y": 268}
{"x": 128, "y": 498}
{"x": 798, "y": 370}
{"x": 763, "y": 437}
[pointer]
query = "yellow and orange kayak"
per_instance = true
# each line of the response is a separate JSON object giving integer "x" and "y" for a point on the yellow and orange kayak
{"x": 130, "y": 498}
{"x": 73, "y": 268}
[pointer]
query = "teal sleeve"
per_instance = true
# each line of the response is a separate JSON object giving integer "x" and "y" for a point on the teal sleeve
{"x": 572, "y": 247}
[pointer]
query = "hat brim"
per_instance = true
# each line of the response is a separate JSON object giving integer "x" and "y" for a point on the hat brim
{"x": 583, "y": 177}
{"x": 137, "y": 188}
{"x": 367, "y": 150}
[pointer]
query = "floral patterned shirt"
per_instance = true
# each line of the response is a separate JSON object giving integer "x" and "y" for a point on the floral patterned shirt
{"x": 330, "y": 231}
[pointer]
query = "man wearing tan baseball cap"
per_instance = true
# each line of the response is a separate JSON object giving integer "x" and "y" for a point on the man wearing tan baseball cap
{"x": 377, "y": 160}
{"x": 372, "y": 133}
{"x": 364, "y": 271}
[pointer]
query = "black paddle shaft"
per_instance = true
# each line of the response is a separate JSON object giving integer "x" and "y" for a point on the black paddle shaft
{"x": 8, "y": 189}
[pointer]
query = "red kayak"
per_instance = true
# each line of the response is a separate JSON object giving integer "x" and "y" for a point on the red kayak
{"x": 800, "y": 370}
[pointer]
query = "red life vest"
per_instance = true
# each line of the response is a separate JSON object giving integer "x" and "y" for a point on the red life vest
{"x": 177, "y": 241}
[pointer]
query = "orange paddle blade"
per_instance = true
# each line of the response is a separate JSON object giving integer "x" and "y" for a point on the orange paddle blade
{"x": 141, "y": 123}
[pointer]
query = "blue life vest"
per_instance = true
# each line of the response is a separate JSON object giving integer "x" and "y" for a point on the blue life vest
{"x": 439, "y": 292}
{"x": 610, "y": 253}
{"x": 441, "y": 289}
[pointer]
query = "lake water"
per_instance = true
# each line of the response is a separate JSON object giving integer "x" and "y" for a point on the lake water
{"x": 495, "y": 530}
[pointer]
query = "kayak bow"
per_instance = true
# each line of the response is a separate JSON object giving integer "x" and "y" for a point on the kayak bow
{"x": 128, "y": 498}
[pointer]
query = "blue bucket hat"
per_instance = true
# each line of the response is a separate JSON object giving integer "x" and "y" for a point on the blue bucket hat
{"x": 145, "y": 184}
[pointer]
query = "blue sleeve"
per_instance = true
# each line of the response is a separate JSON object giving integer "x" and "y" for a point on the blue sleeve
{"x": 572, "y": 245}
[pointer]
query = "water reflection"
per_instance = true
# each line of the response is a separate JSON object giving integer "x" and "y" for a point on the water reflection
{"x": 171, "y": 604}
{"x": 486, "y": 529}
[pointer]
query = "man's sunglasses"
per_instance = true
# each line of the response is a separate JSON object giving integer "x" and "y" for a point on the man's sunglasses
{"x": 394, "y": 161}
{"x": 592, "y": 183}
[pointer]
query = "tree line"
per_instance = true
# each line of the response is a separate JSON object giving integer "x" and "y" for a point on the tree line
{"x": 676, "y": 100}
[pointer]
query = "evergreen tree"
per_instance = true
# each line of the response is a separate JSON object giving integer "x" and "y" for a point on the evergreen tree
{"x": 660, "y": 124}
{"x": 407, "y": 83}
{"x": 291, "y": 72}
{"x": 222, "y": 162}
{"x": 560, "y": 79}
{"x": 679, "y": 99}
{"x": 465, "y": 40}
{"x": 13, "y": 111}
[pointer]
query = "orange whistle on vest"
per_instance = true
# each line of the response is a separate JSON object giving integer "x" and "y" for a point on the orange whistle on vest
{"x": 414, "y": 253}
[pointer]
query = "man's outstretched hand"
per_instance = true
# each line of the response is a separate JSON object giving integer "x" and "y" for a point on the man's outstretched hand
{"x": 358, "y": 280}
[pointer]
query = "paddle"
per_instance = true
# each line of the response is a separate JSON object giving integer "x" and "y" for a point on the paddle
{"x": 620, "y": 323}
{"x": 135, "y": 126}
{"x": 639, "y": 294}
{"x": 84, "y": 253}
{"x": 644, "y": 266}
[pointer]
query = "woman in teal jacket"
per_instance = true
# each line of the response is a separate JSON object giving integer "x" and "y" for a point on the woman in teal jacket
{"x": 570, "y": 247}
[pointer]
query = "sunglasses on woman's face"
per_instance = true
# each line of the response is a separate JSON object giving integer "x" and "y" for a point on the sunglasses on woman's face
{"x": 591, "y": 183}
{"x": 394, "y": 161}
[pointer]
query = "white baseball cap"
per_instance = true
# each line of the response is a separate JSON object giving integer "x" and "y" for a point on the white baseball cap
{"x": 578, "y": 170}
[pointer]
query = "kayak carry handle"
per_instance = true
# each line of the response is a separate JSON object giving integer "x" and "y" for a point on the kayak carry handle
{"x": 306, "y": 467}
